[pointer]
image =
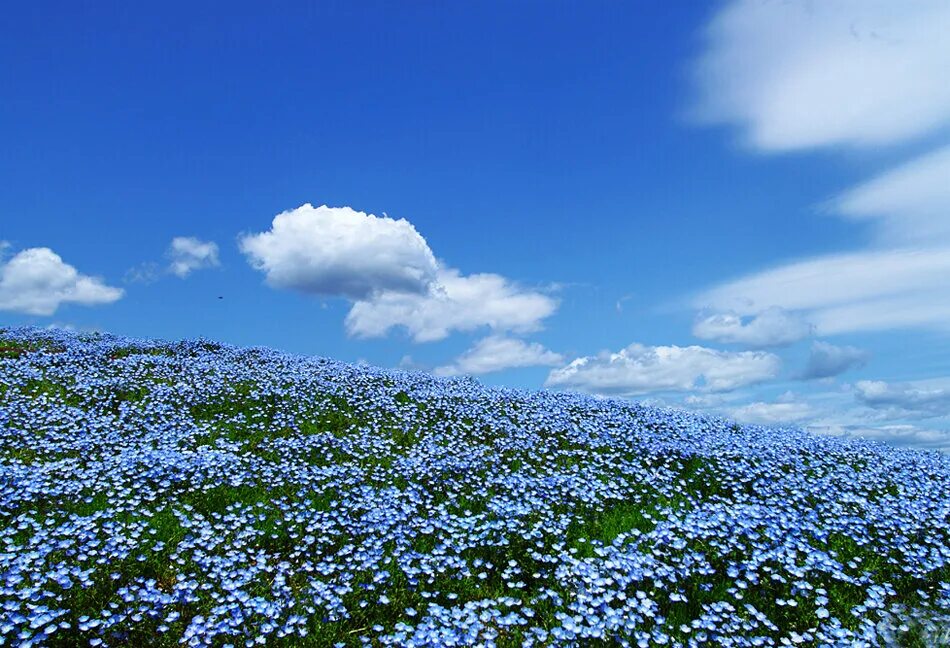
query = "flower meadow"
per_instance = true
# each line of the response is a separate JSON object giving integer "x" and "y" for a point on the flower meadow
{"x": 192, "y": 493}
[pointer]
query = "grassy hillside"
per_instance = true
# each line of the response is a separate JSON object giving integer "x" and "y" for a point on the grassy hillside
{"x": 158, "y": 494}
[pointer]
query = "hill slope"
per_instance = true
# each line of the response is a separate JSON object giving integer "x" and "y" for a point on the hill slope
{"x": 154, "y": 493}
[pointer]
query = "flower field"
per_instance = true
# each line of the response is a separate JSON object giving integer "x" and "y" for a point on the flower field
{"x": 191, "y": 493}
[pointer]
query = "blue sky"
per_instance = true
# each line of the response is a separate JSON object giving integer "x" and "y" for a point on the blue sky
{"x": 736, "y": 207}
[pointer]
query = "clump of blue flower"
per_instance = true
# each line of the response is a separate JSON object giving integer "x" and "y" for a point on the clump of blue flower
{"x": 204, "y": 495}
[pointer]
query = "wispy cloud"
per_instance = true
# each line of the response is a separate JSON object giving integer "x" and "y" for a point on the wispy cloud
{"x": 801, "y": 75}
{"x": 838, "y": 412}
{"x": 619, "y": 306}
{"x": 795, "y": 76}
{"x": 901, "y": 434}
{"x": 827, "y": 360}
{"x": 922, "y": 398}
{"x": 496, "y": 353}
{"x": 772, "y": 327}
{"x": 187, "y": 254}
{"x": 455, "y": 302}
{"x": 640, "y": 369}
{"x": 839, "y": 293}
{"x": 907, "y": 205}
{"x": 772, "y": 413}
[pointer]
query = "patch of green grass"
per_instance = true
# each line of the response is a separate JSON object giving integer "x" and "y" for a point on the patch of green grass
{"x": 15, "y": 348}
{"x": 87, "y": 505}
{"x": 125, "y": 352}
{"x": 217, "y": 499}
{"x": 12, "y": 350}
{"x": 701, "y": 478}
{"x": 604, "y": 526}
{"x": 53, "y": 390}
{"x": 128, "y": 394}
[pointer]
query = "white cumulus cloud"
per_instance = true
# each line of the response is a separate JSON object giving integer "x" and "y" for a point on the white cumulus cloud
{"x": 385, "y": 267}
{"x": 495, "y": 353}
{"x": 36, "y": 281}
{"x": 187, "y": 254}
{"x": 772, "y": 327}
{"x": 337, "y": 251}
{"x": 454, "y": 302}
{"x": 640, "y": 369}
{"x": 796, "y": 75}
